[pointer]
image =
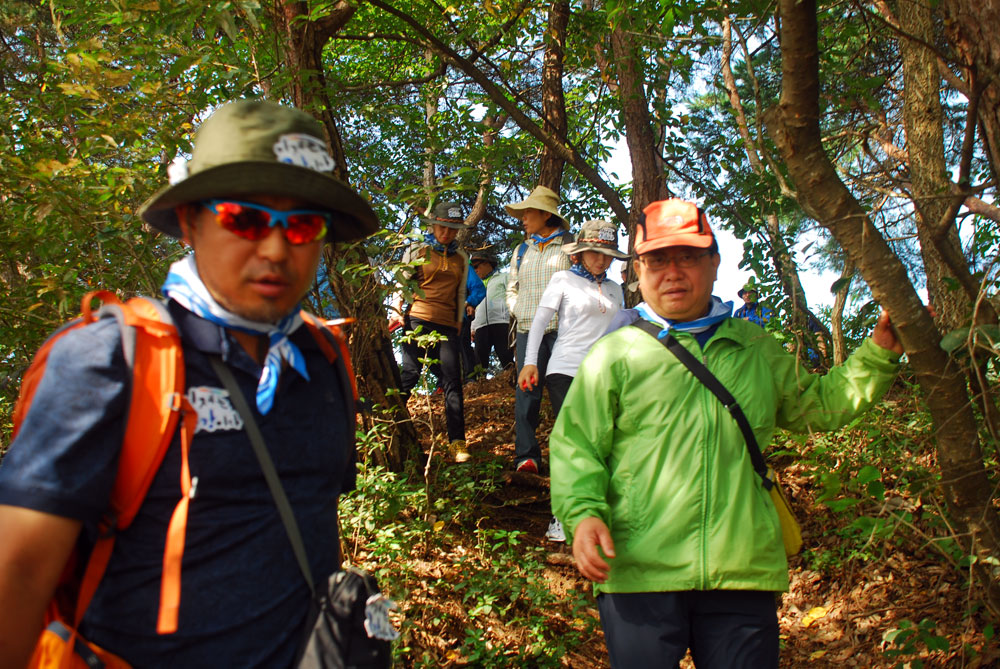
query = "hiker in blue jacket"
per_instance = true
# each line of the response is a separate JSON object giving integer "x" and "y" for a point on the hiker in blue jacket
{"x": 449, "y": 292}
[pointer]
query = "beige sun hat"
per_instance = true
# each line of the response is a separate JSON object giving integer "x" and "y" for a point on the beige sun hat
{"x": 543, "y": 199}
{"x": 255, "y": 147}
{"x": 597, "y": 235}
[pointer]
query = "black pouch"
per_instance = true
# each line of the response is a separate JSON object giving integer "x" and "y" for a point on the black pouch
{"x": 348, "y": 627}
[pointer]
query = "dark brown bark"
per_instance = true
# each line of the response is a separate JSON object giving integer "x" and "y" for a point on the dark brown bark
{"x": 359, "y": 298}
{"x": 303, "y": 51}
{"x": 648, "y": 180}
{"x": 935, "y": 204}
{"x": 924, "y": 121}
{"x": 972, "y": 27}
{"x": 781, "y": 258}
{"x": 553, "y": 101}
{"x": 795, "y": 128}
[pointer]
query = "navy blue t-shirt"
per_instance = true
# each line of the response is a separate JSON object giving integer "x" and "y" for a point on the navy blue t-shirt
{"x": 243, "y": 598}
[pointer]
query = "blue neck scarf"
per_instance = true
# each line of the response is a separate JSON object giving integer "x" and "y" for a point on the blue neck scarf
{"x": 542, "y": 240}
{"x": 578, "y": 269}
{"x": 433, "y": 242}
{"x": 185, "y": 287}
{"x": 718, "y": 312}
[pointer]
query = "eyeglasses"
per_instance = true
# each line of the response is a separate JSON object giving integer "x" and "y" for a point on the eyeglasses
{"x": 686, "y": 259}
{"x": 252, "y": 221}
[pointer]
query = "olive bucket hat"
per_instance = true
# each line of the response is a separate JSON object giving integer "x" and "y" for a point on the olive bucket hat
{"x": 597, "y": 235}
{"x": 255, "y": 147}
{"x": 484, "y": 256}
{"x": 448, "y": 214}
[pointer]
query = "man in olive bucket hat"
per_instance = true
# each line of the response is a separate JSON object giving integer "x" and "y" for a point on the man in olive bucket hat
{"x": 534, "y": 262}
{"x": 255, "y": 204}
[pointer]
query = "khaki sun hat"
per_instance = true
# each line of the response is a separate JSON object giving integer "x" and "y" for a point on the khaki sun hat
{"x": 448, "y": 214}
{"x": 543, "y": 199}
{"x": 255, "y": 147}
{"x": 673, "y": 222}
{"x": 597, "y": 235}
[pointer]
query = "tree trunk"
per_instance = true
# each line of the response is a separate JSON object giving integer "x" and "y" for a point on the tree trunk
{"x": 431, "y": 102}
{"x": 972, "y": 27}
{"x": 553, "y": 101}
{"x": 781, "y": 258}
{"x": 940, "y": 245}
{"x": 362, "y": 297}
{"x": 648, "y": 181}
{"x": 924, "y": 123}
{"x": 794, "y": 125}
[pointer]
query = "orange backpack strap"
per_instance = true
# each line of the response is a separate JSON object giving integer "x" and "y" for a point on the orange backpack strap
{"x": 153, "y": 355}
{"x": 33, "y": 375}
{"x": 333, "y": 343}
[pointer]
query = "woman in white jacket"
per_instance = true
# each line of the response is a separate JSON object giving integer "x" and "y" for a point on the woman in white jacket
{"x": 491, "y": 325}
{"x": 585, "y": 300}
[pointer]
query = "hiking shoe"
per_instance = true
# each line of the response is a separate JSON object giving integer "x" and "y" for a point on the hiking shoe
{"x": 458, "y": 451}
{"x": 528, "y": 466}
{"x": 555, "y": 531}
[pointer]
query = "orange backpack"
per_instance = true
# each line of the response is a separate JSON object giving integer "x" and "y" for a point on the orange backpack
{"x": 153, "y": 354}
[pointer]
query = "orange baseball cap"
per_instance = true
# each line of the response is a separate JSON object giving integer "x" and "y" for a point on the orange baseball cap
{"x": 672, "y": 222}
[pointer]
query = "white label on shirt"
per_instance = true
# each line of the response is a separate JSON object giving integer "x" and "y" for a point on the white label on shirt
{"x": 215, "y": 411}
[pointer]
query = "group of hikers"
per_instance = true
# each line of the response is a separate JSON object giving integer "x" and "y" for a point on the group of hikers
{"x": 652, "y": 480}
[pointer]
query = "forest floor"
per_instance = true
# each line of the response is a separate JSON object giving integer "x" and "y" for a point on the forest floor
{"x": 482, "y": 586}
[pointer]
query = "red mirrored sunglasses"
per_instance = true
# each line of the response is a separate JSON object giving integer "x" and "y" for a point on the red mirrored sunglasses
{"x": 254, "y": 221}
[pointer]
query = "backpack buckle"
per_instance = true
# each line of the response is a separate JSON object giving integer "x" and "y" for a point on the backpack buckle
{"x": 172, "y": 401}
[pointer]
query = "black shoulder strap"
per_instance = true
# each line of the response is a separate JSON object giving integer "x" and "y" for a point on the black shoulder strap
{"x": 267, "y": 466}
{"x": 703, "y": 374}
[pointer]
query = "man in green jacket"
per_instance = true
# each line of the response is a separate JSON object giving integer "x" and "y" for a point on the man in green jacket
{"x": 652, "y": 478}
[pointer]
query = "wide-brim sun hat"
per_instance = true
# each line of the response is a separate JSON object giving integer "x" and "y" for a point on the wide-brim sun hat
{"x": 673, "y": 222}
{"x": 596, "y": 235}
{"x": 448, "y": 214}
{"x": 255, "y": 147}
{"x": 542, "y": 198}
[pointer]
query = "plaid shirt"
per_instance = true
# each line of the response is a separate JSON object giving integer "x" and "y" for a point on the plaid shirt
{"x": 527, "y": 283}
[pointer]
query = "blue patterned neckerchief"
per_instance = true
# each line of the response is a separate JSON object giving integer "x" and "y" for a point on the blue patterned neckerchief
{"x": 432, "y": 241}
{"x": 578, "y": 269}
{"x": 184, "y": 286}
{"x": 542, "y": 241}
{"x": 718, "y": 312}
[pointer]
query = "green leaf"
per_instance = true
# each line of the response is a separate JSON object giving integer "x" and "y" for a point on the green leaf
{"x": 867, "y": 474}
{"x": 841, "y": 284}
{"x": 955, "y": 339}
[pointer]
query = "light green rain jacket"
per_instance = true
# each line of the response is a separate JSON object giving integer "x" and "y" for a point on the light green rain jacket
{"x": 643, "y": 445}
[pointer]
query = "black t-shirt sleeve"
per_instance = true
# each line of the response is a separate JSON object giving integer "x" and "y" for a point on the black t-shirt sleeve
{"x": 65, "y": 457}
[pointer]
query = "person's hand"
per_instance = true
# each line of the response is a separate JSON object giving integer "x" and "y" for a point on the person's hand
{"x": 528, "y": 378}
{"x": 470, "y": 310}
{"x": 884, "y": 334}
{"x": 589, "y": 534}
{"x": 395, "y": 321}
